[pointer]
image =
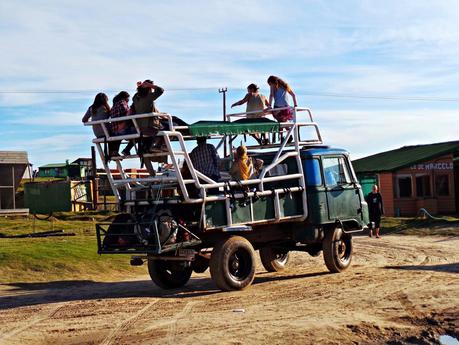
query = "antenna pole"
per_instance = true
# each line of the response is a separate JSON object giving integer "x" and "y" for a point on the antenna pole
{"x": 223, "y": 90}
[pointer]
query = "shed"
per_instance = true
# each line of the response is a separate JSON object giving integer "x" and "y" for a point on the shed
{"x": 414, "y": 177}
{"x": 12, "y": 167}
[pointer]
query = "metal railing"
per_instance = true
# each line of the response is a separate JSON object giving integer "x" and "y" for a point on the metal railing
{"x": 202, "y": 183}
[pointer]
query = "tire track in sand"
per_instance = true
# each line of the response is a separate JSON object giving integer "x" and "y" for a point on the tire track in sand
{"x": 115, "y": 335}
{"x": 170, "y": 338}
{"x": 33, "y": 321}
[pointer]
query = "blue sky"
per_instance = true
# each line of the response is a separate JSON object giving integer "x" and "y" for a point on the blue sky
{"x": 377, "y": 75}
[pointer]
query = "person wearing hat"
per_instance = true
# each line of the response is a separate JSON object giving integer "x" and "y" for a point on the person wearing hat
{"x": 144, "y": 102}
{"x": 255, "y": 102}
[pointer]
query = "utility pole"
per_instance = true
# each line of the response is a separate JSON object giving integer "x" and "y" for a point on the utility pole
{"x": 223, "y": 90}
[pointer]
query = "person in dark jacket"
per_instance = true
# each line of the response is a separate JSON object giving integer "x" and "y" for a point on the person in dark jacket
{"x": 375, "y": 208}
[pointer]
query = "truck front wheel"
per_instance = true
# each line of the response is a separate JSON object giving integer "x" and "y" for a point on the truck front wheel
{"x": 337, "y": 249}
{"x": 169, "y": 274}
{"x": 232, "y": 264}
{"x": 273, "y": 260}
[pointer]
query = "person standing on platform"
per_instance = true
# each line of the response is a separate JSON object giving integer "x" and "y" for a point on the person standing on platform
{"x": 376, "y": 209}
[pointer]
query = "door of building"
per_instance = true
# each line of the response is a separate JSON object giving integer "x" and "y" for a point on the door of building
{"x": 456, "y": 184}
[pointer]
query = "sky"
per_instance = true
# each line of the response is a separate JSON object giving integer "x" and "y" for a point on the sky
{"x": 376, "y": 75}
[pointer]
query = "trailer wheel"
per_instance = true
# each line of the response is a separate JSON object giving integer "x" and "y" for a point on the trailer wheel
{"x": 232, "y": 264}
{"x": 273, "y": 260}
{"x": 337, "y": 248}
{"x": 200, "y": 264}
{"x": 168, "y": 274}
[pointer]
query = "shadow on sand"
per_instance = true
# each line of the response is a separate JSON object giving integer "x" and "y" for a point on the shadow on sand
{"x": 20, "y": 294}
{"x": 449, "y": 268}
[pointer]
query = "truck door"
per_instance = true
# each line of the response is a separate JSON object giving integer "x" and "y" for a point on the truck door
{"x": 342, "y": 198}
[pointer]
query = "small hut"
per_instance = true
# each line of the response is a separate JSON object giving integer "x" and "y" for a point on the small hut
{"x": 13, "y": 164}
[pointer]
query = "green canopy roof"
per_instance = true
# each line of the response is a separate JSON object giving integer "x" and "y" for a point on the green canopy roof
{"x": 206, "y": 128}
{"x": 404, "y": 157}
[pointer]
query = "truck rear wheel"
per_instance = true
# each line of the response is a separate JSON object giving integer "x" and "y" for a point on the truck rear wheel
{"x": 169, "y": 274}
{"x": 273, "y": 260}
{"x": 232, "y": 264}
{"x": 337, "y": 248}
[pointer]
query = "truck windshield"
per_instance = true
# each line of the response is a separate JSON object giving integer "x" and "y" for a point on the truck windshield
{"x": 335, "y": 171}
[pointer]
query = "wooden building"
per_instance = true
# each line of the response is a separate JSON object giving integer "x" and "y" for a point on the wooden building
{"x": 414, "y": 177}
{"x": 12, "y": 167}
{"x": 62, "y": 170}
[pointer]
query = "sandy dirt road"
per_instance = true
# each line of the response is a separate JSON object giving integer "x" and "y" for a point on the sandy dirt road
{"x": 399, "y": 290}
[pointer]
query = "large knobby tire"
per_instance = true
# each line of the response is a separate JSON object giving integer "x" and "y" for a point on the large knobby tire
{"x": 232, "y": 264}
{"x": 337, "y": 248}
{"x": 273, "y": 260}
{"x": 168, "y": 274}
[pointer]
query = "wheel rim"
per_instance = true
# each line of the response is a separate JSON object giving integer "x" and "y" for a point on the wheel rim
{"x": 170, "y": 271}
{"x": 343, "y": 249}
{"x": 281, "y": 258}
{"x": 239, "y": 265}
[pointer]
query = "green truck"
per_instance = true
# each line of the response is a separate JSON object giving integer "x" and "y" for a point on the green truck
{"x": 306, "y": 198}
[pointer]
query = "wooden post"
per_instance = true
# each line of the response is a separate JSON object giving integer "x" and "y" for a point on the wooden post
{"x": 14, "y": 187}
{"x": 94, "y": 178}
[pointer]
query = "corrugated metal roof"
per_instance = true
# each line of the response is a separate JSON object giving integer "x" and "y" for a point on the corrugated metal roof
{"x": 404, "y": 157}
{"x": 13, "y": 157}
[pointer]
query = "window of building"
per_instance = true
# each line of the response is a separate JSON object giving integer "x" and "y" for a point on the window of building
{"x": 423, "y": 186}
{"x": 404, "y": 187}
{"x": 442, "y": 185}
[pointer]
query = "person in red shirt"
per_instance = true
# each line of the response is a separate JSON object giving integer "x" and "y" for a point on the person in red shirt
{"x": 120, "y": 108}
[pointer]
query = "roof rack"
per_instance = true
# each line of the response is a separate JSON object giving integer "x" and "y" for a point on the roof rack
{"x": 226, "y": 132}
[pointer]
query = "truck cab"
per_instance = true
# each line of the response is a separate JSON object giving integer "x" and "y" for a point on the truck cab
{"x": 333, "y": 191}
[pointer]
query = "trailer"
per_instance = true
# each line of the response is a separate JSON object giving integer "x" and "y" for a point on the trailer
{"x": 306, "y": 198}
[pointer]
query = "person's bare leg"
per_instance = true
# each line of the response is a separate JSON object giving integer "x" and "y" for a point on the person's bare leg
{"x": 377, "y": 232}
{"x": 371, "y": 233}
{"x": 149, "y": 167}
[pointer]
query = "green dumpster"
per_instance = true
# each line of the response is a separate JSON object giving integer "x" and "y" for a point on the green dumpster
{"x": 47, "y": 197}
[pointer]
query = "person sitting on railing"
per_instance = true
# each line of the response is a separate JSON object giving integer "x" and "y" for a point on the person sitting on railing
{"x": 144, "y": 102}
{"x": 120, "y": 109}
{"x": 205, "y": 159}
{"x": 278, "y": 93}
{"x": 99, "y": 110}
{"x": 255, "y": 102}
{"x": 245, "y": 167}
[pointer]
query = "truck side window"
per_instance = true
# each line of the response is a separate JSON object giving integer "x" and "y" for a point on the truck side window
{"x": 313, "y": 176}
{"x": 335, "y": 171}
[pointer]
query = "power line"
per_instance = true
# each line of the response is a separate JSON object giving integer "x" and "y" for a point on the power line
{"x": 96, "y": 91}
{"x": 314, "y": 94}
{"x": 392, "y": 98}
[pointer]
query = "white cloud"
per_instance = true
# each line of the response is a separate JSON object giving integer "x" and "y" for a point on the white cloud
{"x": 366, "y": 132}
{"x": 51, "y": 119}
